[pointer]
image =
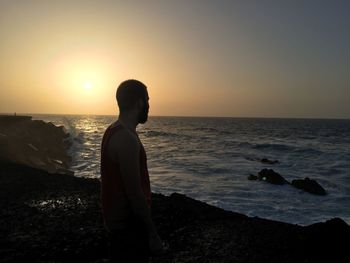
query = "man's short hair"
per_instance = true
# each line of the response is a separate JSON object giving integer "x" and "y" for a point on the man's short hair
{"x": 129, "y": 92}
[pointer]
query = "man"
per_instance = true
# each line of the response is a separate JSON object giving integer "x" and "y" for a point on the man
{"x": 125, "y": 185}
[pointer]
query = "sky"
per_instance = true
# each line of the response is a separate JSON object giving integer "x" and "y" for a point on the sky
{"x": 197, "y": 57}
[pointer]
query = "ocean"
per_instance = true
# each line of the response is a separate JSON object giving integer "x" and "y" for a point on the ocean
{"x": 209, "y": 159}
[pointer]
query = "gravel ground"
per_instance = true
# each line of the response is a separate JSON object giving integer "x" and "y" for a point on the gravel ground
{"x": 56, "y": 218}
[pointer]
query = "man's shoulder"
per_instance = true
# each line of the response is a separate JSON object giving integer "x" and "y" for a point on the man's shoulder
{"x": 123, "y": 138}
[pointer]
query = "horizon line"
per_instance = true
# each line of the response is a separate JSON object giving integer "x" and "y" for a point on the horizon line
{"x": 178, "y": 116}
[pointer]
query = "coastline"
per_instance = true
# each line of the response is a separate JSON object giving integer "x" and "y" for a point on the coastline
{"x": 56, "y": 217}
{"x": 49, "y": 215}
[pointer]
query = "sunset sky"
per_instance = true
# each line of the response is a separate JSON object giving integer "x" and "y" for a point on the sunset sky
{"x": 197, "y": 57}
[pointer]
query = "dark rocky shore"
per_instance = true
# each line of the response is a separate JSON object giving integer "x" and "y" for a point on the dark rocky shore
{"x": 56, "y": 218}
{"x": 34, "y": 143}
{"x": 47, "y": 215}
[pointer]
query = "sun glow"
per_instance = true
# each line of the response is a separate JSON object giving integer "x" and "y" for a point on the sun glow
{"x": 88, "y": 85}
{"x": 85, "y": 81}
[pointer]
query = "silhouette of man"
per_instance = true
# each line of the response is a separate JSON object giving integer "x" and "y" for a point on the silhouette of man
{"x": 125, "y": 185}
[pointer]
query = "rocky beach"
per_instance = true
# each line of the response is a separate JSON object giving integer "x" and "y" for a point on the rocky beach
{"x": 48, "y": 215}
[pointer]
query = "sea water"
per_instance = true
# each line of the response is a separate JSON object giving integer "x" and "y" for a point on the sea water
{"x": 210, "y": 159}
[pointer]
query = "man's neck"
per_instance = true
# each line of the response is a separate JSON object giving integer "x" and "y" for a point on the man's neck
{"x": 128, "y": 121}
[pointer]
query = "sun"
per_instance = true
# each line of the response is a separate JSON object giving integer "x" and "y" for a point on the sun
{"x": 88, "y": 85}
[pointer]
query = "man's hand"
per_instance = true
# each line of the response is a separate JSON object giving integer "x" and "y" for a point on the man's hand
{"x": 155, "y": 244}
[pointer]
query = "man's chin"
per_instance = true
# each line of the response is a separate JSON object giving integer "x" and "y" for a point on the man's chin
{"x": 143, "y": 120}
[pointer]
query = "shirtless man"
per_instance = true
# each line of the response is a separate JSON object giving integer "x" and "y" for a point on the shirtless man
{"x": 125, "y": 185}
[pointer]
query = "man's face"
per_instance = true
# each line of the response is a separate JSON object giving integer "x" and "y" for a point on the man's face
{"x": 143, "y": 115}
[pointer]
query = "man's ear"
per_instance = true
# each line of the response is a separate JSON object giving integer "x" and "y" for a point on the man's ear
{"x": 140, "y": 103}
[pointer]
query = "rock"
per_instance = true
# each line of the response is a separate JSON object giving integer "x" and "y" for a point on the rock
{"x": 263, "y": 160}
{"x": 252, "y": 177}
{"x": 323, "y": 237}
{"x": 272, "y": 177}
{"x": 34, "y": 143}
{"x": 309, "y": 185}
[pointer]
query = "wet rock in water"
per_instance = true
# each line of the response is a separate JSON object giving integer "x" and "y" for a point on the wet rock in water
{"x": 270, "y": 176}
{"x": 265, "y": 160}
{"x": 309, "y": 185}
{"x": 252, "y": 177}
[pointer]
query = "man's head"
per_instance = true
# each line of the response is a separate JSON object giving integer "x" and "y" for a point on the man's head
{"x": 132, "y": 95}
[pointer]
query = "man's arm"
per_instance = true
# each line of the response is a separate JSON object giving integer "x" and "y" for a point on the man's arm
{"x": 126, "y": 148}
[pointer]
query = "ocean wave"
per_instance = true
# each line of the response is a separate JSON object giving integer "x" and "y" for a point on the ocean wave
{"x": 211, "y": 160}
{"x": 159, "y": 134}
{"x": 274, "y": 146}
{"x": 167, "y": 135}
{"x": 245, "y": 144}
{"x": 307, "y": 151}
{"x": 206, "y": 129}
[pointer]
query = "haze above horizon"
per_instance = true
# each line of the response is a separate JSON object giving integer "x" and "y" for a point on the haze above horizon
{"x": 285, "y": 59}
